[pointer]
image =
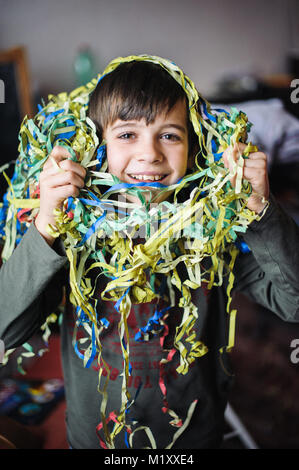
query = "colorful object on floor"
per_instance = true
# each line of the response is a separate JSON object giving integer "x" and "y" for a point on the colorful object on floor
{"x": 91, "y": 227}
{"x": 29, "y": 402}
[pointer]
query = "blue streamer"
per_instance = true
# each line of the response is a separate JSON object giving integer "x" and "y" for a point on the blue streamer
{"x": 151, "y": 324}
{"x": 127, "y": 411}
{"x": 101, "y": 78}
{"x": 54, "y": 113}
{"x": 101, "y": 154}
{"x": 220, "y": 110}
{"x": 99, "y": 203}
{"x": 209, "y": 115}
{"x": 81, "y": 319}
{"x": 242, "y": 246}
{"x": 70, "y": 203}
{"x": 218, "y": 156}
{"x": 117, "y": 304}
{"x": 93, "y": 349}
{"x": 104, "y": 322}
{"x": 40, "y": 110}
{"x": 92, "y": 229}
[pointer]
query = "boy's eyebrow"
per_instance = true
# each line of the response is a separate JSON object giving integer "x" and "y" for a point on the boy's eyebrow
{"x": 120, "y": 126}
{"x": 133, "y": 123}
{"x": 176, "y": 126}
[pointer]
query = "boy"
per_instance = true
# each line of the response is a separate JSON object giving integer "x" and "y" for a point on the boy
{"x": 149, "y": 138}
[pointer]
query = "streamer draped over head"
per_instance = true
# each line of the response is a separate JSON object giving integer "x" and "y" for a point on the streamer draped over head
{"x": 101, "y": 232}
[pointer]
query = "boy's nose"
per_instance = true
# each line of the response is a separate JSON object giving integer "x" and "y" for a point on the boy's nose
{"x": 149, "y": 152}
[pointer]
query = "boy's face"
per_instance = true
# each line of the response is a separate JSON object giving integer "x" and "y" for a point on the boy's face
{"x": 138, "y": 152}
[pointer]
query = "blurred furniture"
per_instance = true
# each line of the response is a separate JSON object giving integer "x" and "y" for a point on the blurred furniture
{"x": 15, "y": 104}
{"x": 238, "y": 430}
{"x": 240, "y": 88}
{"x": 14, "y": 435}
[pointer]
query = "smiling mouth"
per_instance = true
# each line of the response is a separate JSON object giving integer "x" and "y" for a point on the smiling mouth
{"x": 147, "y": 178}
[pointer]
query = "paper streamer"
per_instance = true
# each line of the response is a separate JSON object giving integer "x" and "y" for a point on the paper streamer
{"x": 92, "y": 228}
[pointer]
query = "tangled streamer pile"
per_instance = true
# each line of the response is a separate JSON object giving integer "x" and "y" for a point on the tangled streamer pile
{"x": 101, "y": 232}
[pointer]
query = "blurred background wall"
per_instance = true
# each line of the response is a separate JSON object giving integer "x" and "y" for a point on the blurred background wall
{"x": 206, "y": 38}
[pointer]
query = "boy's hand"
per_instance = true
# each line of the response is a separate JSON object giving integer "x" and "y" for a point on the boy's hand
{"x": 254, "y": 171}
{"x": 56, "y": 186}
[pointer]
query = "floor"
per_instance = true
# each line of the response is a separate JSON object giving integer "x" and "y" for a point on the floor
{"x": 265, "y": 394}
{"x": 52, "y": 430}
{"x": 51, "y": 433}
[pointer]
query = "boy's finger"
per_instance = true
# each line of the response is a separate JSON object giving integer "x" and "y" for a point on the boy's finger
{"x": 61, "y": 153}
{"x": 52, "y": 178}
{"x": 240, "y": 146}
{"x": 254, "y": 163}
{"x": 254, "y": 176}
{"x": 237, "y": 149}
{"x": 63, "y": 192}
{"x": 70, "y": 165}
{"x": 53, "y": 167}
{"x": 58, "y": 154}
{"x": 257, "y": 156}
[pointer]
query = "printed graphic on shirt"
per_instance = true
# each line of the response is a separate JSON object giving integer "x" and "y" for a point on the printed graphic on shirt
{"x": 144, "y": 355}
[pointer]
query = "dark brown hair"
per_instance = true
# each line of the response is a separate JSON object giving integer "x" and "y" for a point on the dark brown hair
{"x": 133, "y": 91}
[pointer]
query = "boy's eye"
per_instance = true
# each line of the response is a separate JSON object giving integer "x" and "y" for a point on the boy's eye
{"x": 126, "y": 135}
{"x": 169, "y": 136}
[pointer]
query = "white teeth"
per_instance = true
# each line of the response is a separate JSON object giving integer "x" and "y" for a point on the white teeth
{"x": 148, "y": 177}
